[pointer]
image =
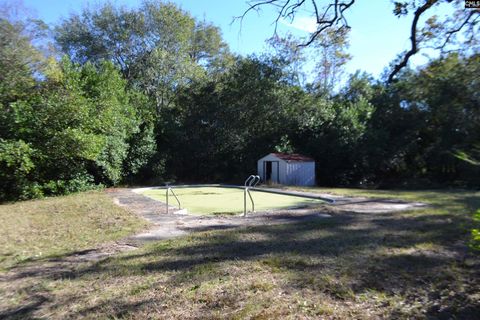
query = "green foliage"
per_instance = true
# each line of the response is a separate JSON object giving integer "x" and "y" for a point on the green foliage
{"x": 330, "y": 57}
{"x": 74, "y": 129}
{"x": 77, "y": 183}
{"x": 15, "y": 165}
{"x": 475, "y": 233}
{"x": 16, "y": 156}
{"x": 470, "y": 157}
{"x": 424, "y": 119}
{"x": 84, "y": 119}
{"x": 158, "y": 47}
{"x": 142, "y": 147}
{"x": 220, "y": 122}
{"x": 18, "y": 61}
{"x": 332, "y": 130}
{"x": 287, "y": 50}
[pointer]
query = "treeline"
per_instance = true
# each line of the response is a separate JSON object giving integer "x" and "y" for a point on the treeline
{"x": 151, "y": 95}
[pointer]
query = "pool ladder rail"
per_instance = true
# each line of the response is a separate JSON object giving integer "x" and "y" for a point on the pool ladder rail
{"x": 250, "y": 182}
{"x": 170, "y": 190}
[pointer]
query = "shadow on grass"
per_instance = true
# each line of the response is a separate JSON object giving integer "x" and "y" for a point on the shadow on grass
{"x": 471, "y": 202}
{"x": 25, "y": 311}
{"x": 395, "y": 254}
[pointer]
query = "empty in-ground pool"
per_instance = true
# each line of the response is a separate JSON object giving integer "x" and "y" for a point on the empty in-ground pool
{"x": 224, "y": 200}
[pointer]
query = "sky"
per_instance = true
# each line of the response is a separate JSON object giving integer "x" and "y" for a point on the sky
{"x": 376, "y": 36}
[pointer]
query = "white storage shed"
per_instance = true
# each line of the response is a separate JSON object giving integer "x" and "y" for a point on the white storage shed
{"x": 289, "y": 169}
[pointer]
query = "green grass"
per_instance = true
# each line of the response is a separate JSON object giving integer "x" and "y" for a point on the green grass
{"x": 217, "y": 200}
{"x": 38, "y": 229}
{"x": 405, "y": 265}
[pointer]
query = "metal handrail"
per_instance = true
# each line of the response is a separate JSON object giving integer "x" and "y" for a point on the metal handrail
{"x": 178, "y": 201}
{"x": 255, "y": 181}
{"x": 247, "y": 181}
{"x": 251, "y": 199}
{"x": 250, "y": 182}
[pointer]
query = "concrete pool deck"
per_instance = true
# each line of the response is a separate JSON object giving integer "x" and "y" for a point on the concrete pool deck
{"x": 167, "y": 226}
{"x": 229, "y": 200}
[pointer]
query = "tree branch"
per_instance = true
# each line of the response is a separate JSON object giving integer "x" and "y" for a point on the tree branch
{"x": 332, "y": 14}
{"x": 288, "y": 9}
{"x": 339, "y": 8}
{"x": 452, "y": 32}
{"x": 413, "y": 39}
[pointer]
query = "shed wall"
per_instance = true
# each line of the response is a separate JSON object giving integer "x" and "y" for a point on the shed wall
{"x": 300, "y": 173}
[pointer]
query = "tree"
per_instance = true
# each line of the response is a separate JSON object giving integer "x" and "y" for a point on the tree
{"x": 227, "y": 124}
{"x": 331, "y": 129}
{"x": 80, "y": 122}
{"x": 73, "y": 129}
{"x": 327, "y": 54}
{"x": 458, "y": 31}
{"x": 330, "y": 50}
{"x": 448, "y": 90}
{"x": 15, "y": 166}
{"x": 422, "y": 121}
{"x": 291, "y": 56}
{"x": 64, "y": 127}
{"x": 158, "y": 47}
{"x": 19, "y": 60}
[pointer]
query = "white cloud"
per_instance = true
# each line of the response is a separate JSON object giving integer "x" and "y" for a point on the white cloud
{"x": 306, "y": 24}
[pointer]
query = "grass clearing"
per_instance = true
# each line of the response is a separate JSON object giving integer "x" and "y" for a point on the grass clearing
{"x": 412, "y": 264}
{"x": 40, "y": 229}
{"x": 218, "y": 200}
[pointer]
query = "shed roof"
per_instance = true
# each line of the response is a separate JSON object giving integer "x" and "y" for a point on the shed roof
{"x": 293, "y": 157}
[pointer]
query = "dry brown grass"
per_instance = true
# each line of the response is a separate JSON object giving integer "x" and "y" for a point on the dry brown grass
{"x": 40, "y": 229}
{"x": 353, "y": 266}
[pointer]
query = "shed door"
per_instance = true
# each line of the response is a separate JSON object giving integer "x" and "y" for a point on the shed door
{"x": 271, "y": 171}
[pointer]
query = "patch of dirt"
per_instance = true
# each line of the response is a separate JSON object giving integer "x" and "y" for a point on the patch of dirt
{"x": 365, "y": 205}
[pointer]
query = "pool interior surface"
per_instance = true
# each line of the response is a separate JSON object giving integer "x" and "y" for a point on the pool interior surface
{"x": 223, "y": 200}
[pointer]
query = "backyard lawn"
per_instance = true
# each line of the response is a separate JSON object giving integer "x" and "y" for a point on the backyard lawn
{"x": 41, "y": 229}
{"x": 352, "y": 266}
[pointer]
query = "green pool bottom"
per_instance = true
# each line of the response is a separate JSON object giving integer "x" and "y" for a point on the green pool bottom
{"x": 222, "y": 200}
